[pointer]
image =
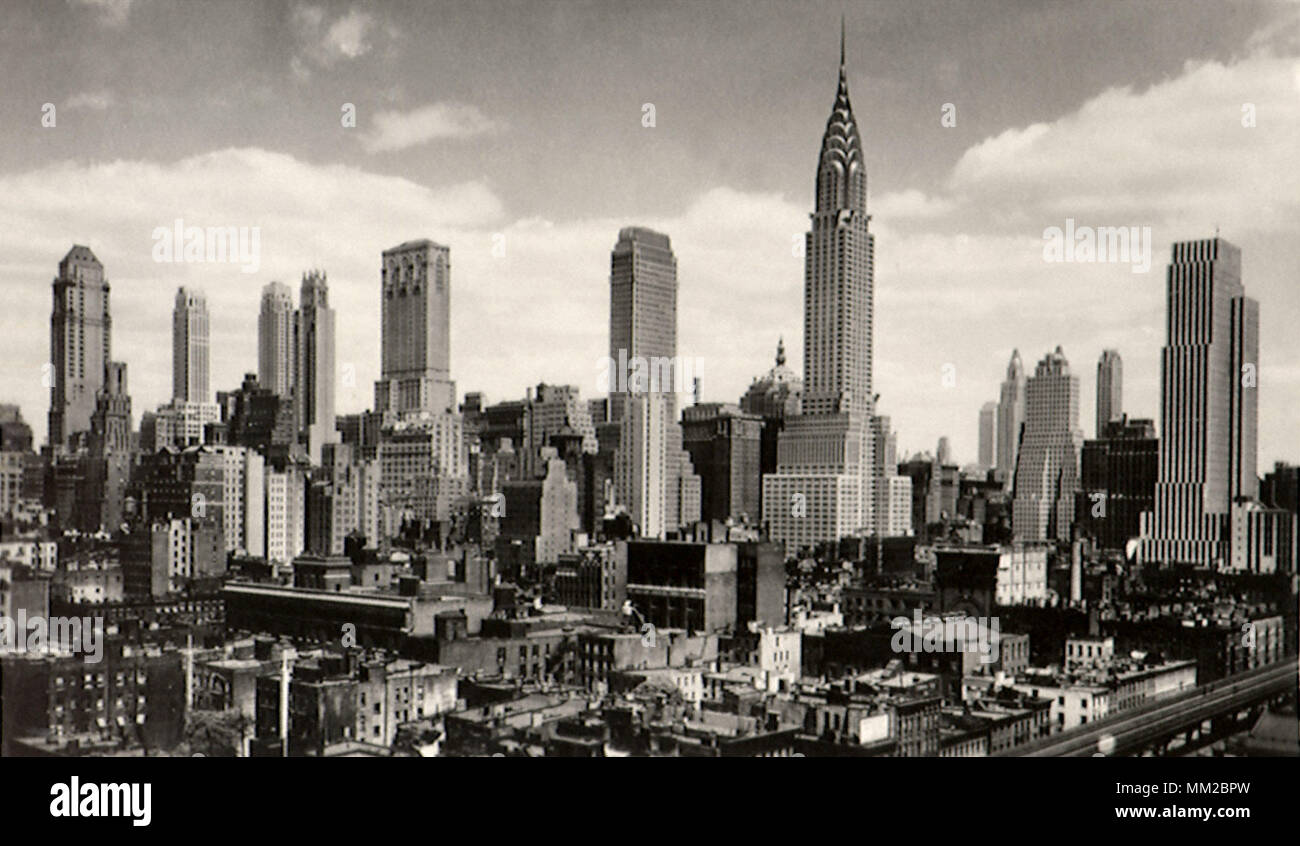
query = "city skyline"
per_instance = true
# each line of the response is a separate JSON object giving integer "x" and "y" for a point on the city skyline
{"x": 474, "y": 444}
{"x": 727, "y": 233}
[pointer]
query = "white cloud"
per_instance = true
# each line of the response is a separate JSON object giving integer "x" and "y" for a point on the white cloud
{"x": 112, "y": 13}
{"x": 347, "y": 35}
{"x": 94, "y": 100}
{"x": 322, "y": 46}
{"x": 963, "y": 267}
{"x": 398, "y": 130}
{"x": 959, "y": 271}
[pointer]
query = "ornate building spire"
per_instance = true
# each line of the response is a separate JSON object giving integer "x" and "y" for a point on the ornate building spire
{"x": 841, "y": 172}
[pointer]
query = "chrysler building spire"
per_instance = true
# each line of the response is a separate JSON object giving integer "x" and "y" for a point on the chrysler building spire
{"x": 841, "y": 171}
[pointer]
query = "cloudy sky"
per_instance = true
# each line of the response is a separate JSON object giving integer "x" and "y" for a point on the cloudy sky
{"x": 514, "y": 133}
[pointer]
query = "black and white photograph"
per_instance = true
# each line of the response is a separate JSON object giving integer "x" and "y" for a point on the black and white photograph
{"x": 905, "y": 379}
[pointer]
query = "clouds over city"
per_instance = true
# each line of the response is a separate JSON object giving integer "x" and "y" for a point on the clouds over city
{"x": 960, "y": 276}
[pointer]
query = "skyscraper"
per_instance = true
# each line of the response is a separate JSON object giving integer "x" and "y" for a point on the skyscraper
{"x": 642, "y": 315}
{"x": 415, "y": 330}
{"x": 422, "y": 452}
{"x": 1047, "y": 467}
{"x": 1011, "y": 415}
{"x": 314, "y": 385}
{"x": 1117, "y": 481}
{"x": 275, "y": 340}
{"x": 190, "y": 347}
{"x": 653, "y": 474}
{"x": 725, "y": 447}
{"x": 988, "y": 435}
{"x": 81, "y": 331}
{"x": 1110, "y": 384}
{"x": 826, "y": 478}
{"x": 1208, "y": 402}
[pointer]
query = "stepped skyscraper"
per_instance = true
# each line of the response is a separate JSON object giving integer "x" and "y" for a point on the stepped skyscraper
{"x": 1047, "y": 464}
{"x": 653, "y": 475}
{"x": 826, "y": 478}
{"x": 642, "y": 316}
{"x": 415, "y": 331}
{"x": 275, "y": 350}
{"x": 191, "y": 347}
{"x": 1011, "y": 416}
{"x": 1110, "y": 389}
{"x": 421, "y": 440}
{"x": 81, "y": 332}
{"x": 314, "y": 362}
{"x": 1208, "y": 402}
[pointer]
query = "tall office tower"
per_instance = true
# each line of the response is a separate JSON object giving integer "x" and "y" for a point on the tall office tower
{"x": 641, "y": 462}
{"x": 190, "y": 347}
{"x": 110, "y": 425}
{"x": 107, "y": 466}
{"x": 943, "y": 451}
{"x": 824, "y": 485}
{"x": 653, "y": 476}
{"x": 642, "y": 316}
{"x": 1208, "y": 401}
{"x": 15, "y": 434}
{"x": 554, "y": 411}
{"x": 415, "y": 331}
{"x": 314, "y": 382}
{"x": 1110, "y": 389}
{"x": 243, "y": 499}
{"x": 285, "y": 521}
{"x": 422, "y": 450}
{"x": 1118, "y": 481}
{"x": 643, "y": 355}
{"x": 81, "y": 331}
{"x": 988, "y": 445}
{"x": 275, "y": 340}
{"x": 1011, "y": 416}
{"x": 725, "y": 446}
{"x": 892, "y": 514}
{"x": 1047, "y": 467}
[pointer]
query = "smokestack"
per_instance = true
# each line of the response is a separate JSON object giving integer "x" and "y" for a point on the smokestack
{"x": 695, "y": 389}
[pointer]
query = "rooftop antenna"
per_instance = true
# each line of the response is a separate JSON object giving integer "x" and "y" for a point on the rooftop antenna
{"x": 841, "y": 39}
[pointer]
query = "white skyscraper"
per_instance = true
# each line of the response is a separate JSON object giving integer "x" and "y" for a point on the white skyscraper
{"x": 190, "y": 347}
{"x": 826, "y": 482}
{"x": 1110, "y": 389}
{"x": 1047, "y": 468}
{"x": 1209, "y": 405}
{"x": 988, "y": 435}
{"x": 314, "y": 385}
{"x": 275, "y": 347}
